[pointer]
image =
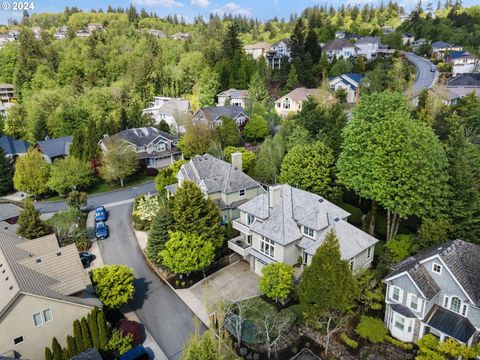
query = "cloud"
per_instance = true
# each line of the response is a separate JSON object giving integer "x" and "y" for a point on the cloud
{"x": 159, "y": 3}
{"x": 200, "y": 3}
{"x": 232, "y": 8}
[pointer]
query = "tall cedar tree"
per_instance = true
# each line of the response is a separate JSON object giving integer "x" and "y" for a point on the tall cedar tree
{"x": 30, "y": 225}
{"x": 193, "y": 213}
{"x": 327, "y": 283}
{"x": 87, "y": 338}
{"x": 297, "y": 41}
{"x": 257, "y": 90}
{"x": 159, "y": 235}
{"x": 6, "y": 173}
{"x": 231, "y": 43}
{"x": 312, "y": 46}
{"x": 464, "y": 159}
{"x": 57, "y": 350}
{"x": 93, "y": 327}
{"x": 48, "y": 354}
{"x": 228, "y": 132}
{"x": 71, "y": 347}
{"x": 78, "y": 336}
{"x": 103, "y": 330}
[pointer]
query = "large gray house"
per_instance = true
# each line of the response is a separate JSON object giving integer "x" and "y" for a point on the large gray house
{"x": 213, "y": 116}
{"x": 436, "y": 291}
{"x": 226, "y": 184}
{"x": 287, "y": 224}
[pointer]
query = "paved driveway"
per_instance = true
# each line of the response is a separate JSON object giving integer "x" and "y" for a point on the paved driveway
{"x": 232, "y": 283}
{"x": 162, "y": 312}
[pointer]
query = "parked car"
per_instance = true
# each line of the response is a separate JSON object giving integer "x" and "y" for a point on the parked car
{"x": 87, "y": 257}
{"x": 137, "y": 353}
{"x": 432, "y": 69}
{"x": 100, "y": 213}
{"x": 101, "y": 230}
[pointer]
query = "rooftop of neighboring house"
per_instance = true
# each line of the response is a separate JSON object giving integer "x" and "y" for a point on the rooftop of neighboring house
{"x": 285, "y": 41}
{"x": 368, "y": 40}
{"x": 259, "y": 45}
{"x": 338, "y": 44}
{"x": 145, "y": 135}
{"x": 442, "y": 44}
{"x": 90, "y": 354}
{"x": 301, "y": 94}
{"x": 234, "y": 93}
{"x": 40, "y": 267}
{"x": 467, "y": 79}
{"x": 170, "y": 106}
{"x": 7, "y": 87}
{"x": 212, "y": 113}
{"x": 284, "y": 209}
{"x": 215, "y": 175}
{"x": 461, "y": 258}
{"x": 13, "y": 147}
{"x": 8, "y": 211}
{"x": 407, "y": 35}
{"x": 452, "y": 55}
{"x": 55, "y": 147}
{"x": 351, "y": 79}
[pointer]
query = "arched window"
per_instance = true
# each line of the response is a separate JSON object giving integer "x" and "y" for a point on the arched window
{"x": 455, "y": 304}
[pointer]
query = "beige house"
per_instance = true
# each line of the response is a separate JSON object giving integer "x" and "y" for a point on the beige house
{"x": 287, "y": 224}
{"x": 292, "y": 102}
{"x": 43, "y": 290}
{"x": 257, "y": 50}
{"x": 224, "y": 183}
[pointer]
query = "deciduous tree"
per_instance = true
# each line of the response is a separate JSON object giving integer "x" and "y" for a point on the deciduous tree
{"x": 256, "y": 128}
{"x": 113, "y": 284}
{"x": 277, "y": 280}
{"x": 248, "y": 157}
{"x": 69, "y": 174}
{"x": 197, "y": 139}
{"x": 228, "y": 132}
{"x": 31, "y": 173}
{"x": 118, "y": 161}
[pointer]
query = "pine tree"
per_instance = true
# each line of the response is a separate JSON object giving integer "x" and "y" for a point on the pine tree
{"x": 297, "y": 41}
{"x": 103, "y": 330}
{"x": 78, "y": 336}
{"x": 231, "y": 43}
{"x": 57, "y": 350}
{"x": 87, "y": 338}
{"x": 312, "y": 46}
{"x": 257, "y": 90}
{"x": 193, "y": 213}
{"x": 48, "y": 354}
{"x": 29, "y": 224}
{"x": 159, "y": 234}
{"x": 71, "y": 347}
{"x": 6, "y": 173}
{"x": 93, "y": 327}
{"x": 292, "y": 80}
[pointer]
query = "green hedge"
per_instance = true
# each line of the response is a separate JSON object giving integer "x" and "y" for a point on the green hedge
{"x": 398, "y": 343}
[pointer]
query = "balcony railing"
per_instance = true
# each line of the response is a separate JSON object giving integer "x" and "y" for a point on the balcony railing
{"x": 239, "y": 246}
{"x": 241, "y": 227}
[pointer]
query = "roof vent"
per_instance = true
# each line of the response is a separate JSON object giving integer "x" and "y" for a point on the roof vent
{"x": 320, "y": 200}
{"x": 336, "y": 219}
{"x": 59, "y": 253}
{"x": 10, "y": 288}
{"x": 38, "y": 261}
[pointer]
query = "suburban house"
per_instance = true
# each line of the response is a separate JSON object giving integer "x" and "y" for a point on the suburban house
{"x": 291, "y": 103}
{"x": 277, "y": 53}
{"x": 368, "y": 47}
{"x": 44, "y": 289}
{"x": 407, "y": 39}
{"x": 156, "y": 149}
{"x": 349, "y": 82}
{"x": 460, "y": 86}
{"x": 340, "y": 48}
{"x": 172, "y": 110}
{"x": 346, "y": 35}
{"x": 82, "y": 33}
{"x": 288, "y": 225}
{"x": 257, "y": 50}
{"x": 233, "y": 97}
{"x": 5, "y": 39}
{"x": 440, "y": 48}
{"x": 436, "y": 291}
{"x": 4, "y": 108}
{"x": 181, "y": 36}
{"x": 462, "y": 62}
{"x": 418, "y": 43}
{"x": 226, "y": 184}
{"x": 94, "y": 27}
{"x": 7, "y": 92}
{"x": 12, "y": 147}
{"x": 52, "y": 149}
{"x": 212, "y": 116}
{"x": 157, "y": 33}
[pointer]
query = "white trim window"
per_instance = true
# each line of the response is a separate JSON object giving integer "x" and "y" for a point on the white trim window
{"x": 18, "y": 340}
{"x": 308, "y": 232}
{"x": 241, "y": 192}
{"x": 286, "y": 104}
{"x": 399, "y": 322}
{"x": 42, "y": 317}
{"x": 437, "y": 268}
{"x": 369, "y": 252}
{"x": 250, "y": 219}
{"x": 396, "y": 293}
{"x": 161, "y": 147}
{"x": 249, "y": 239}
{"x": 267, "y": 247}
{"x": 37, "y": 319}
{"x": 414, "y": 302}
{"x": 455, "y": 304}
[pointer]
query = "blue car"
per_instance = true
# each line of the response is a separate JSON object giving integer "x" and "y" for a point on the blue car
{"x": 101, "y": 230}
{"x": 100, "y": 213}
{"x": 137, "y": 353}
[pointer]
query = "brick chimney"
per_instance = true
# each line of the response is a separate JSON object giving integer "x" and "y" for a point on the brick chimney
{"x": 237, "y": 160}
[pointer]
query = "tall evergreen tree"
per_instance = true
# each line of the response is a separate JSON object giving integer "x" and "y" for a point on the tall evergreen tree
{"x": 93, "y": 327}
{"x": 257, "y": 90}
{"x": 78, "y": 336}
{"x": 297, "y": 41}
{"x": 71, "y": 347}
{"x": 48, "y": 354}
{"x": 57, "y": 350}
{"x": 6, "y": 173}
{"x": 103, "y": 330}
{"x": 231, "y": 43}
{"x": 87, "y": 338}
{"x": 312, "y": 46}
{"x": 30, "y": 225}
{"x": 159, "y": 234}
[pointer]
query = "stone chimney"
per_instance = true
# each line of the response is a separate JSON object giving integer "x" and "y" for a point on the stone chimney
{"x": 274, "y": 194}
{"x": 237, "y": 160}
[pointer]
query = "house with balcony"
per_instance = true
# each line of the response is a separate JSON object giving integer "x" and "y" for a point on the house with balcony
{"x": 233, "y": 97}
{"x": 340, "y": 48}
{"x": 213, "y": 116}
{"x": 349, "y": 83}
{"x": 174, "y": 111}
{"x": 7, "y": 93}
{"x": 278, "y": 52}
{"x": 287, "y": 224}
{"x": 436, "y": 291}
{"x": 462, "y": 62}
{"x": 441, "y": 48}
{"x": 368, "y": 47}
{"x": 154, "y": 148}
{"x": 44, "y": 289}
{"x": 225, "y": 183}
{"x": 291, "y": 103}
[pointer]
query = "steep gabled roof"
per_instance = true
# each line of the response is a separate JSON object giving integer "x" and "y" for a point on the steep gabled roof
{"x": 8, "y": 211}
{"x": 234, "y": 93}
{"x": 337, "y": 44}
{"x": 213, "y": 113}
{"x": 55, "y": 147}
{"x": 144, "y": 136}
{"x": 467, "y": 79}
{"x": 13, "y": 147}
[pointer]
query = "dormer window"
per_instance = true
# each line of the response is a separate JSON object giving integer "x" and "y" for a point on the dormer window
{"x": 308, "y": 231}
{"x": 436, "y": 268}
{"x": 161, "y": 147}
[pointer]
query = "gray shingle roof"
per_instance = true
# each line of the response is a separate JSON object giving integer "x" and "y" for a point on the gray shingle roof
{"x": 337, "y": 44}
{"x": 144, "y": 136}
{"x": 212, "y": 113}
{"x": 22, "y": 259}
{"x": 90, "y": 354}
{"x": 234, "y": 93}
{"x": 450, "y": 323}
{"x": 468, "y": 79}
{"x": 216, "y": 175}
{"x": 55, "y": 147}
{"x": 8, "y": 211}
{"x": 461, "y": 257}
{"x": 402, "y": 310}
{"x": 13, "y": 147}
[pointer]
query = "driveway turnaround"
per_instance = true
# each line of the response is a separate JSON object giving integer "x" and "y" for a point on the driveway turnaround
{"x": 121, "y": 195}
{"x": 165, "y": 316}
{"x": 425, "y": 78}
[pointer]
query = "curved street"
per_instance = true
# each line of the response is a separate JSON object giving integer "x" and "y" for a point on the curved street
{"x": 425, "y": 78}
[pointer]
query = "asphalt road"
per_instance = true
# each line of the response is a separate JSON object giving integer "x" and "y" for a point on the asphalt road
{"x": 101, "y": 199}
{"x": 425, "y": 78}
{"x": 161, "y": 311}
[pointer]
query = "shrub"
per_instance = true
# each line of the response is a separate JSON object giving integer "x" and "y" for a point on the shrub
{"x": 398, "y": 343}
{"x": 133, "y": 328}
{"x": 371, "y": 329}
{"x": 83, "y": 244}
{"x": 297, "y": 309}
{"x": 400, "y": 247}
{"x": 119, "y": 343}
{"x": 349, "y": 342}
{"x": 147, "y": 208}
